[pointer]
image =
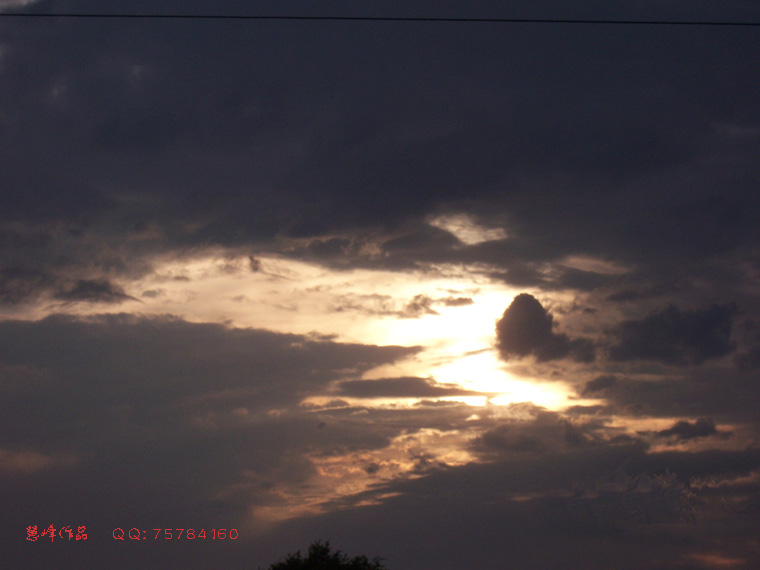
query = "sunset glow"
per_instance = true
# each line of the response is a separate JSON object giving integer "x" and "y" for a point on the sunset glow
{"x": 457, "y": 286}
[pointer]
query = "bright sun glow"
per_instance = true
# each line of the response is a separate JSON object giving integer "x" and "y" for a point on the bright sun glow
{"x": 449, "y": 311}
{"x": 483, "y": 372}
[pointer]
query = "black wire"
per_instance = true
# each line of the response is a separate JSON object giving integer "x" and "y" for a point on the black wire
{"x": 382, "y": 19}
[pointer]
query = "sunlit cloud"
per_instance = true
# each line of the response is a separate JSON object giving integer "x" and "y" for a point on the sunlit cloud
{"x": 466, "y": 229}
{"x": 595, "y": 265}
{"x": 368, "y": 306}
{"x": 286, "y": 295}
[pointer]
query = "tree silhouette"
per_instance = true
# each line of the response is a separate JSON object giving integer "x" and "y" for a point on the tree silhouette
{"x": 320, "y": 557}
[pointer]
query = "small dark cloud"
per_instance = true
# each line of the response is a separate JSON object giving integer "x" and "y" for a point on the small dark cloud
{"x": 646, "y": 291}
{"x": 597, "y": 384}
{"x": 505, "y": 442}
{"x": 420, "y": 305}
{"x": 254, "y": 264}
{"x": 423, "y": 238}
{"x": 526, "y": 329}
{"x": 586, "y": 410}
{"x": 316, "y": 336}
{"x": 545, "y": 432}
{"x": 152, "y": 293}
{"x": 376, "y": 304}
{"x": 93, "y": 291}
{"x": 680, "y": 337}
{"x": 684, "y": 430}
{"x": 407, "y": 387}
{"x": 457, "y": 301}
{"x": 519, "y": 274}
{"x": 573, "y": 278}
{"x": 20, "y": 284}
{"x": 437, "y": 404}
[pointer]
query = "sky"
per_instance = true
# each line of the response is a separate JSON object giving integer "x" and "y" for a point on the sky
{"x": 455, "y": 294}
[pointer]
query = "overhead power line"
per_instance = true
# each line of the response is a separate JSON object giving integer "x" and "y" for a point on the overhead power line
{"x": 566, "y": 21}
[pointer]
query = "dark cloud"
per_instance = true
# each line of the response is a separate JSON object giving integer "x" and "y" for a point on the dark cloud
{"x": 188, "y": 417}
{"x": 376, "y": 304}
{"x": 401, "y": 388}
{"x": 254, "y": 264}
{"x": 524, "y": 326}
{"x": 526, "y": 329}
{"x": 152, "y": 420}
{"x": 427, "y": 238}
{"x": 420, "y": 305}
{"x": 582, "y": 506}
{"x": 679, "y": 337}
{"x": 93, "y": 291}
{"x": 647, "y": 291}
{"x": 684, "y": 430}
{"x": 544, "y": 433}
{"x": 166, "y": 362}
{"x": 287, "y": 148}
{"x": 153, "y": 293}
{"x": 457, "y": 301}
{"x": 581, "y": 280}
{"x": 19, "y": 284}
{"x": 597, "y": 384}
{"x": 126, "y": 143}
{"x": 721, "y": 393}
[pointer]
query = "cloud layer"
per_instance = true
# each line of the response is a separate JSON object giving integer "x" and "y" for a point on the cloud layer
{"x": 517, "y": 210}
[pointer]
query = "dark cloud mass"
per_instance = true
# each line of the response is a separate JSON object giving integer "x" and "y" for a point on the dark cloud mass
{"x": 673, "y": 336}
{"x": 525, "y": 329}
{"x": 133, "y": 133}
{"x": 18, "y": 284}
{"x": 117, "y": 404}
{"x": 457, "y": 301}
{"x": 598, "y": 383}
{"x": 703, "y": 427}
{"x": 93, "y": 290}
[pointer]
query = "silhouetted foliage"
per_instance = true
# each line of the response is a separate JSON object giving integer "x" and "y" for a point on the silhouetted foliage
{"x": 320, "y": 557}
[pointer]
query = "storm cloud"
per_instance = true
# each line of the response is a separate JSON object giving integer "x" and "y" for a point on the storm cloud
{"x": 673, "y": 336}
{"x": 702, "y": 427}
{"x": 526, "y": 328}
{"x": 455, "y": 293}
